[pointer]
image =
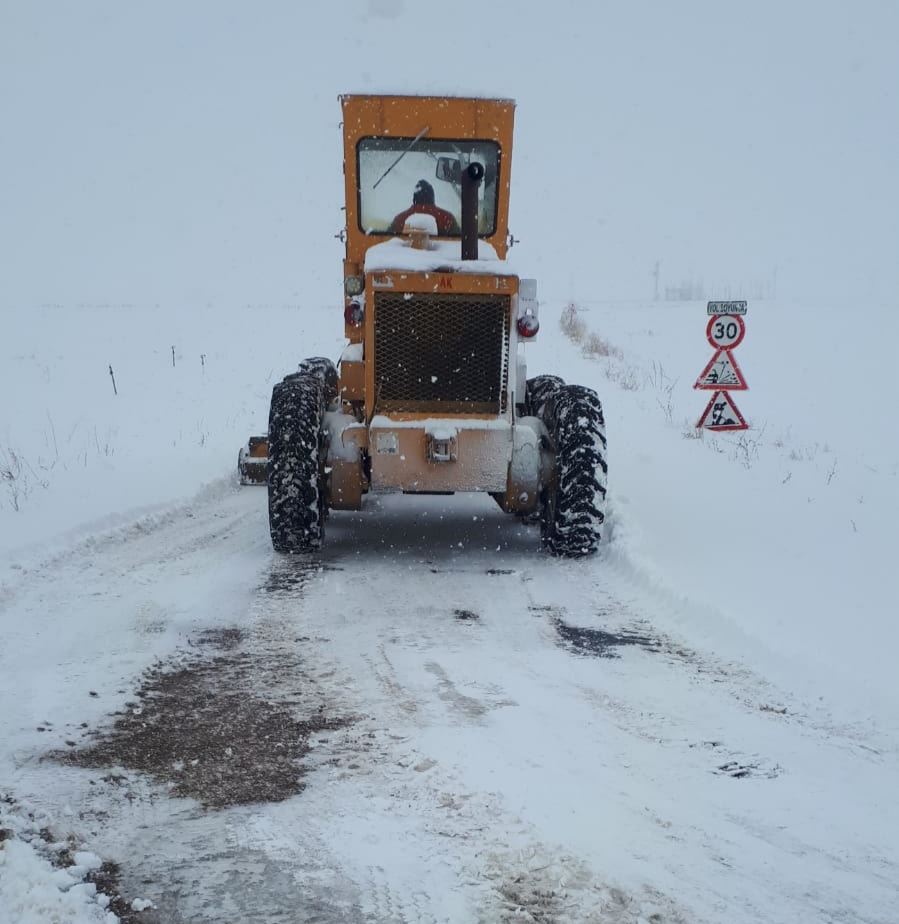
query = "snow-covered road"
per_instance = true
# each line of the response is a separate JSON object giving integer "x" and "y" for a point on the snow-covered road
{"x": 484, "y": 733}
{"x": 433, "y": 721}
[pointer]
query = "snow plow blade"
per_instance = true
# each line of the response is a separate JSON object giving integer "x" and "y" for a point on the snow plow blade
{"x": 252, "y": 461}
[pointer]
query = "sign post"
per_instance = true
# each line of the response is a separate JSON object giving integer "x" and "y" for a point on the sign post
{"x": 725, "y": 332}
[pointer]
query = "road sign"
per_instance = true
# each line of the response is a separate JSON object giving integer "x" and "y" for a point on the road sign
{"x": 722, "y": 373}
{"x": 726, "y": 308}
{"x": 722, "y": 414}
{"x": 725, "y": 331}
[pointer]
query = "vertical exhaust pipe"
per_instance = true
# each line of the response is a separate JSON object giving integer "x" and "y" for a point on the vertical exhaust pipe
{"x": 471, "y": 180}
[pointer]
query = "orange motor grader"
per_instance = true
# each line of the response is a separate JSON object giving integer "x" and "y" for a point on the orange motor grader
{"x": 430, "y": 395}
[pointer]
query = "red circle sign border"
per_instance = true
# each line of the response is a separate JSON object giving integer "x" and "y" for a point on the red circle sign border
{"x": 725, "y": 317}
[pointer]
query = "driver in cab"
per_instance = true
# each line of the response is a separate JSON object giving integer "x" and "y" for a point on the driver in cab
{"x": 423, "y": 204}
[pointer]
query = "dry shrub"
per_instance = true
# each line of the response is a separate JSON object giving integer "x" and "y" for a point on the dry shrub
{"x": 572, "y": 325}
{"x": 625, "y": 377}
{"x": 595, "y": 346}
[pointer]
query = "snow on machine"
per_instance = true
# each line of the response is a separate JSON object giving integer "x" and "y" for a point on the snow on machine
{"x": 431, "y": 394}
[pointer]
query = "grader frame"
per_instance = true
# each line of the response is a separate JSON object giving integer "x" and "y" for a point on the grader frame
{"x": 431, "y": 395}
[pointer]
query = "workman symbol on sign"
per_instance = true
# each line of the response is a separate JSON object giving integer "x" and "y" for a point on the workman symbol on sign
{"x": 720, "y": 415}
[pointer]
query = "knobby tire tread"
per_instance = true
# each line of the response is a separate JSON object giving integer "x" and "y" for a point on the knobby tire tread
{"x": 295, "y": 483}
{"x": 574, "y": 514}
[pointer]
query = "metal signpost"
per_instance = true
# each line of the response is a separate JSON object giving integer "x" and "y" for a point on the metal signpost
{"x": 725, "y": 331}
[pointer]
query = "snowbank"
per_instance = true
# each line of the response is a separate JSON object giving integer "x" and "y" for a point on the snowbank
{"x": 774, "y": 544}
{"x": 35, "y": 891}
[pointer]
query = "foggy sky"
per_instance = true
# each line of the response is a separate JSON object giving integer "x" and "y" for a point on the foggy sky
{"x": 192, "y": 151}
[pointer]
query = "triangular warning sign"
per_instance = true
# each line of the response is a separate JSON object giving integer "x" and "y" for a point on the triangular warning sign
{"x": 722, "y": 414}
{"x": 722, "y": 373}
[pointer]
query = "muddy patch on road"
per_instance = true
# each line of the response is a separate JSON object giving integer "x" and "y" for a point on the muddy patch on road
{"x": 106, "y": 880}
{"x": 744, "y": 769}
{"x": 219, "y": 729}
{"x": 607, "y": 642}
{"x": 290, "y": 575}
{"x": 466, "y": 615}
{"x": 738, "y": 767}
{"x": 225, "y": 639}
{"x": 561, "y": 889}
{"x": 601, "y": 643}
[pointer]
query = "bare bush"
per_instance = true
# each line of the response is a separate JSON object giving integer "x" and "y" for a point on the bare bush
{"x": 595, "y": 347}
{"x": 627, "y": 378}
{"x": 745, "y": 451}
{"x": 664, "y": 385}
{"x": 14, "y": 476}
{"x": 572, "y": 324}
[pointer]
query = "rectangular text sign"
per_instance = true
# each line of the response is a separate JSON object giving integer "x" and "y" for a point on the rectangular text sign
{"x": 727, "y": 308}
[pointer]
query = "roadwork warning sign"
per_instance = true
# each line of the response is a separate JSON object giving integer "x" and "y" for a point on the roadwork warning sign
{"x": 725, "y": 331}
{"x": 722, "y": 414}
{"x": 722, "y": 372}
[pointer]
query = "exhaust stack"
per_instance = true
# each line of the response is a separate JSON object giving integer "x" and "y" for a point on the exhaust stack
{"x": 471, "y": 180}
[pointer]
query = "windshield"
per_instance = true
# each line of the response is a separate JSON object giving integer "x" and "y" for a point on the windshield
{"x": 401, "y": 176}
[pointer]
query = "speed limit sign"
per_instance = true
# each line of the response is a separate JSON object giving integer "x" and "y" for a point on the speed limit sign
{"x": 725, "y": 331}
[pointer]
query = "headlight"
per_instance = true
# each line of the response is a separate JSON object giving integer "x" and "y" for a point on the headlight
{"x": 353, "y": 285}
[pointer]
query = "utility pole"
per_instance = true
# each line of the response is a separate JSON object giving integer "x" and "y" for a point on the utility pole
{"x": 655, "y": 275}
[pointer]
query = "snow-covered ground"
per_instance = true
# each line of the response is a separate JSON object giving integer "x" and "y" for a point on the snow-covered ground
{"x": 740, "y": 755}
{"x": 699, "y": 724}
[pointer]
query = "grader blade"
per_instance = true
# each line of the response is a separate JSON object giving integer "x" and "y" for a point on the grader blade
{"x": 252, "y": 461}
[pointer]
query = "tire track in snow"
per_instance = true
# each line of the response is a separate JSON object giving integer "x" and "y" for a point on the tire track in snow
{"x": 492, "y": 772}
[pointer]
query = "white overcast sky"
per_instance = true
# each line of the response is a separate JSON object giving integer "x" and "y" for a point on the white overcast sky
{"x": 190, "y": 151}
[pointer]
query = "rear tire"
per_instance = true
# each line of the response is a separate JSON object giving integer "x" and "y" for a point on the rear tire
{"x": 574, "y": 504}
{"x": 297, "y": 490}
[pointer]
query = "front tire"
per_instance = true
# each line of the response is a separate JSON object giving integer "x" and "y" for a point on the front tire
{"x": 574, "y": 503}
{"x": 538, "y": 391}
{"x": 324, "y": 369}
{"x": 297, "y": 491}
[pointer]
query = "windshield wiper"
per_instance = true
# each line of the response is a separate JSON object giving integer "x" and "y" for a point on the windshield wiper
{"x": 412, "y": 144}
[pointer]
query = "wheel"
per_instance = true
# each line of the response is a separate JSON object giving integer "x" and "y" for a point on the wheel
{"x": 326, "y": 371}
{"x": 322, "y": 368}
{"x": 538, "y": 391}
{"x": 297, "y": 489}
{"x": 574, "y": 503}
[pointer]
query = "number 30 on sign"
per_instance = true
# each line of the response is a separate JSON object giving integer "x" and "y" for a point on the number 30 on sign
{"x": 725, "y": 332}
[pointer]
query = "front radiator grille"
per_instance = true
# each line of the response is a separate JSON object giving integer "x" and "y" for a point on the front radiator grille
{"x": 441, "y": 353}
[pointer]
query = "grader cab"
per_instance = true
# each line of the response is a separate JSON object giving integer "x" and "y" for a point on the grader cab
{"x": 430, "y": 395}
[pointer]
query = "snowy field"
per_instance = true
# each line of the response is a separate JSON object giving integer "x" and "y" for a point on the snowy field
{"x": 432, "y": 720}
{"x": 740, "y": 754}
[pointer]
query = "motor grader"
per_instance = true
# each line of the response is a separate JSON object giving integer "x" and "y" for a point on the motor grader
{"x": 430, "y": 395}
